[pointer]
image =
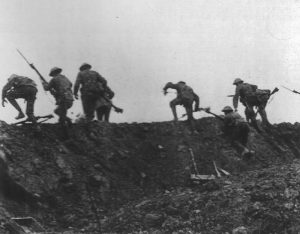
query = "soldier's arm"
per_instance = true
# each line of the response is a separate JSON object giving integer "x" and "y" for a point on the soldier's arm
{"x": 236, "y": 96}
{"x": 197, "y": 102}
{"x": 102, "y": 80}
{"x": 109, "y": 92}
{"x": 169, "y": 85}
{"x": 77, "y": 84}
{"x": 7, "y": 87}
{"x": 48, "y": 86}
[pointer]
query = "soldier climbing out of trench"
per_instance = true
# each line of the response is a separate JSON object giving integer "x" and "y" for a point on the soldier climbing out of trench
{"x": 61, "y": 88}
{"x": 185, "y": 97}
{"x": 92, "y": 87}
{"x": 237, "y": 129}
{"x": 250, "y": 96}
{"x": 20, "y": 87}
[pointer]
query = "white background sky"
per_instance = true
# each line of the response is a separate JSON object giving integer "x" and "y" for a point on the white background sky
{"x": 139, "y": 45}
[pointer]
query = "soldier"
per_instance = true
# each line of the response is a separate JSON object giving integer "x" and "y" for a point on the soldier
{"x": 20, "y": 87}
{"x": 104, "y": 104}
{"x": 92, "y": 86}
{"x": 61, "y": 88}
{"x": 237, "y": 129}
{"x": 251, "y": 97}
{"x": 185, "y": 97}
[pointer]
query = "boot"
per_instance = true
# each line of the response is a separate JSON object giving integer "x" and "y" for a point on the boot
{"x": 20, "y": 116}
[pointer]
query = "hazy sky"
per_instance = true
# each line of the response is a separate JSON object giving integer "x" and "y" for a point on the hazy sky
{"x": 139, "y": 45}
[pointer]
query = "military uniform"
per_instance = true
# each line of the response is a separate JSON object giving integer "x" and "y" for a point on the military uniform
{"x": 103, "y": 105}
{"x": 20, "y": 87}
{"x": 250, "y": 97}
{"x": 92, "y": 86}
{"x": 61, "y": 87}
{"x": 236, "y": 128}
{"x": 185, "y": 97}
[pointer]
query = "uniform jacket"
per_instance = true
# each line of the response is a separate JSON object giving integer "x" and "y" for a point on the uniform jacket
{"x": 62, "y": 87}
{"x": 91, "y": 83}
{"x": 17, "y": 82}
{"x": 243, "y": 91}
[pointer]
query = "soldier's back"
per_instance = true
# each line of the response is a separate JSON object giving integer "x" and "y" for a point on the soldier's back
{"x": 186, "y": 92}
{"x": 23, "y": 81}
{"x": 61, "y": 83}
{"x": 91, "y": 81}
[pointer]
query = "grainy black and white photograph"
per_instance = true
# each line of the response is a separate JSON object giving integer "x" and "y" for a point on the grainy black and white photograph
{"x": 150, "y": 117}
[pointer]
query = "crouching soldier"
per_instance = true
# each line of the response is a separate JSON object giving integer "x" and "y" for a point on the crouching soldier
{"x": 252, "y": 97}
{"x": 185, "y": 97}
{"x": 20, "y": 87}
{"x": 61, "y": 88}
{"x": 237, "y": 129}
{"x": 104, "y": 105}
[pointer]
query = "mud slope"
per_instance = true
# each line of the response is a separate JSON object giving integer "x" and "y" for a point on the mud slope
{"x": 130, "y": 177}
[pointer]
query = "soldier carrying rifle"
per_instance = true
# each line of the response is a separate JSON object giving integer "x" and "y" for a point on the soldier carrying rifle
{"x": 61, "y": 88}
{"x": 235, "y": 127}
{"x": 250, "y": 96}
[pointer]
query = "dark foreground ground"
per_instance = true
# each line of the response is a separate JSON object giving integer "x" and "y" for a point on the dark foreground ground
{"x": 135, "y": 178}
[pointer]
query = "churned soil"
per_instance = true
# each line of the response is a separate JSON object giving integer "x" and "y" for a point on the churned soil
{"x": 135, "y": 178}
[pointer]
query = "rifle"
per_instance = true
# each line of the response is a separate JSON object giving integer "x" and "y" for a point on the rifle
{"x": 43, "y": 80}
{"x": 117, "y": 109}
{"x": 217, "y": 116}
{"x": 33, "y": 67}
{"x": 199, "y": 109}
{"x": 274, "y": 91}
{"x": 294, "y": 91}
{"x": 46, "y": 117}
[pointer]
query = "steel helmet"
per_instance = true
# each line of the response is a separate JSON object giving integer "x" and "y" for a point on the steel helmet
{"x": 55, "y": 71}
{"x": 227, "y": 109}
{"x": 237, "y": 80}
{"x": 85, "y": 66}
{"x": 12, "y": 76}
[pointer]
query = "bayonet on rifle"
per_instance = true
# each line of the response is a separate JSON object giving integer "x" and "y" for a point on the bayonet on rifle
{"x": 52, "y": 91}
{"x": 33, "y": 67}
{"x": 294, "y": 91}
{"x": 45, "y": 118}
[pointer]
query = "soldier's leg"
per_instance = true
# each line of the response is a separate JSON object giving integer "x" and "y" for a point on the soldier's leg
{"x": 263, "y": 114}
{"x": 60, "y": 111}
{"x": 100, "y": 113}
{"x": 67, "y": 105}
{"x": 84, "y": 101}
{"x": 30, "y": 98}
{"x": 107, "y": 113}
{"x": 240, "y": 138}
{"x": 12, "y": 96}
{"x": 243, "y": 133}
{"x": 89, "y": 104}
{"x": 252, "y": 116}
{"x": 173, "y": 105}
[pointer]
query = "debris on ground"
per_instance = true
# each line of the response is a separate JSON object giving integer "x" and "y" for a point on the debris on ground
{"x": 138, "y": 178}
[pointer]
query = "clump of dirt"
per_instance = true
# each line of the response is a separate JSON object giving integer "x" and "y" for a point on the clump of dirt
{"x": 101, "y": 177}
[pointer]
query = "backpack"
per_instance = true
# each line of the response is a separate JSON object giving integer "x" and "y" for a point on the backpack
{"x": 187, "y": 92}
{"x": 263, "y": 95}
{"x": 247, "y": 90}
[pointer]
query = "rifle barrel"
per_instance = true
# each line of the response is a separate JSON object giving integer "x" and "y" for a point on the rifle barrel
{"x": 23, "y": 57}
